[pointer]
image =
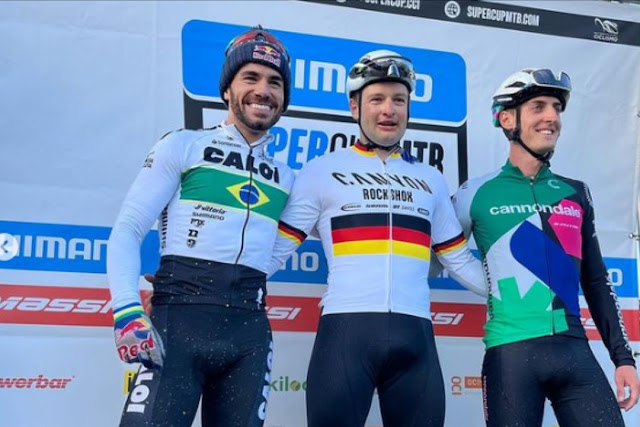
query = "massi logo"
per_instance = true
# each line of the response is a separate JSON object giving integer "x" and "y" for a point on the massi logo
{"x": 319, "y": 67}
{"x": 608, "y": 30}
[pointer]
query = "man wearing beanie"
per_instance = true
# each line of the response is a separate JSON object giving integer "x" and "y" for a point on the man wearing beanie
{"x": 218, "y": 197}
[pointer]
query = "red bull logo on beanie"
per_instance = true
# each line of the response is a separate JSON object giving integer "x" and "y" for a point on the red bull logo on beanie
{"x": 264, "y": 52}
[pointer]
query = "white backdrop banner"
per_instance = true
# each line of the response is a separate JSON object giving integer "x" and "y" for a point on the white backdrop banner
{"x": 88, "y": 88}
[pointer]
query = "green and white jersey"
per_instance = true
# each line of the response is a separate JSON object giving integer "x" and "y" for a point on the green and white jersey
{"x": 216, "y": 198}
{"x": 537, "y": 240}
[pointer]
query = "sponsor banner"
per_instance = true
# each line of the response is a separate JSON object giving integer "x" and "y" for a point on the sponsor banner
{"x": 296, "y": 141}
{"x": 61, "y": 247}
{"x": 82, "y": 249}
{"x": 437, "y": 132}
{"x": 508, "y": 16}
{"x": 54, "y": 305}
{"x": 319, "y": 66}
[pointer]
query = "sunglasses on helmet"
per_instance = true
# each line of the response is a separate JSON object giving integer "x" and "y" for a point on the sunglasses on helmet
{"x": 384, "y": 67}
{"x": 546, "y": 78}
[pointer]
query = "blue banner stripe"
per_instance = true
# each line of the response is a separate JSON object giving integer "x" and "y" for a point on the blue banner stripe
{"x": 319, "y": 65}
{"x": 82, "y": 249}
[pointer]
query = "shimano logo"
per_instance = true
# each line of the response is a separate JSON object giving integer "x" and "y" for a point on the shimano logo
{"x": 53, "y": 247}
{"x": 332, "y": 77}
{"x": 535, "y": 208}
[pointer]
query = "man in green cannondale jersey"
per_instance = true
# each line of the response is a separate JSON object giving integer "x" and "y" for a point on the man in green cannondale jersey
{"x": 535, "y": 233}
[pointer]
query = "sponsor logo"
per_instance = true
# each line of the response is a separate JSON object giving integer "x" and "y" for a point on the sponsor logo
{"x": 285, "y": 384}
{"x": 262, "y": 409}
{"x": 148, "y": 162}
{"x": 401, "y": 4}
{"x": 350, "y": 207}
{"x": 423, "y": 211}
{"x": 137, "y": 401}
{"x": 267, "y": 53}
{"x": 553, "y": 183}
{"x": 446, "y": 318}
{"x": 452, "y": 9}
{"x": 500, "y": 15}
{"x": 39, "y": 383}
{"x": 9, "y": 246}
{"x": 237, "y": 160}
{"x": 608, "y": 30}
{"x": 535, "y": 208}
{"x": 127, "y": 385}
{"x": 460, "y": 385}
{"x": 283, "y": 313}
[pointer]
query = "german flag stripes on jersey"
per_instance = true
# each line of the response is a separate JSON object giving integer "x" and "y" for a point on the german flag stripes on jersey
{"x": 377, "y": 233}
{"x": 450, "y": 245}
{"x": 378, "y": 222}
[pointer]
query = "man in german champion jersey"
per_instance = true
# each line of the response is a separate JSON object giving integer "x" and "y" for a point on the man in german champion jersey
{"x": 536, "y": 235}
{"x": 218, "y": 197}
{"x": 380, "y": 214}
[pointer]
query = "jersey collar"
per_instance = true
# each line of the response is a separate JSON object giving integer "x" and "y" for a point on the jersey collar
{"x": 509, "y": 169}
{"x": 370, "y": 151}
{"x": 258, "y": 146}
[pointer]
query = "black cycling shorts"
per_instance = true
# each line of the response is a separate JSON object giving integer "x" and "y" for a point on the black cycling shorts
{"x": 355, "y": 353}
{"x": 517, "y": 378}
{"x": 222, "y": 354}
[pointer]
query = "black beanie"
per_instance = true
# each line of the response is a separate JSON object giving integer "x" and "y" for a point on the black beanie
{"x": 260, "y": 52}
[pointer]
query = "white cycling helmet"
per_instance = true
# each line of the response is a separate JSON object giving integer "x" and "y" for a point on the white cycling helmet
{"x": 529, "y": 83}
{"x": 380, "y": 66}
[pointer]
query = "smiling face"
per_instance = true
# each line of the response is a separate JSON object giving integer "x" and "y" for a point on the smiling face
{"x": 540, "y": 122}
{"x": 255, "y": 96}
{"x": 383, "y": 112}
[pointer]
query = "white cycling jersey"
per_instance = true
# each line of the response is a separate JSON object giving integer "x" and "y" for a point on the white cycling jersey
{"x": 378, "y": 222}
{"x": 216, "y": 198}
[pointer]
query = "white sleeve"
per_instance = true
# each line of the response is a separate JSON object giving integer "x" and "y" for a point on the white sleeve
{"x": 151, "y": 191}
{"x": 462, "y": 206}
{"x": 298, "y": 219}
{"x": 450, "y": 244}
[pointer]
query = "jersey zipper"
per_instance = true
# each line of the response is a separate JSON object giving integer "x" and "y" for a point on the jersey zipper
{"x": 390, "y": 254}
{"x": 246, "y": 220}
{"x": 544, "y": 248}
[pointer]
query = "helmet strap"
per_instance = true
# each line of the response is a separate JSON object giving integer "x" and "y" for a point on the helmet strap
{"x": 514, "y": 135}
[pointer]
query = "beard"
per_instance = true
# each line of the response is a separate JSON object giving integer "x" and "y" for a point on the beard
{"x": 257, "y": 125}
